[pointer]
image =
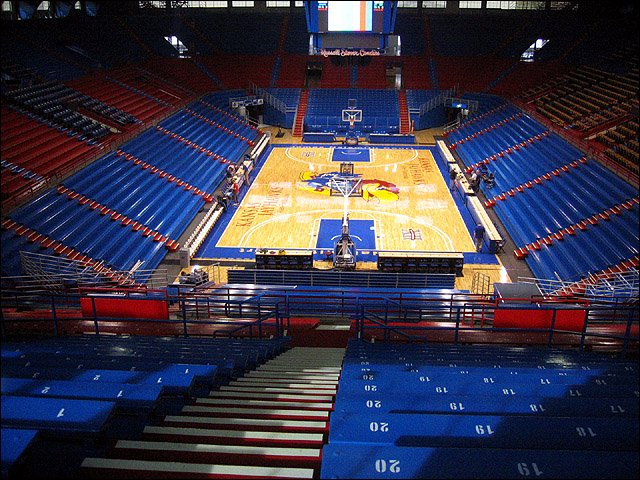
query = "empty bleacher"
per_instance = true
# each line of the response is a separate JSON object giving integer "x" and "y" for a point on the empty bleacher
{"x": 415, "y": 73}
{"x": 411, "y": 30}
{"x": 540, "y": 173}
{"x": 449, "y": 411}
{"x": 63, "y": 107}
{"x": 281, "y": 105}
{"x": 33, "y": 151}
{"x": 182, "y": 71}
{"x": 588, "y": 99}
{"x": 380, "y": 110}
{"x": 240, "y": 70}
{"x": 372, "y": 75}
{"x": 528, "y": 77}
{"x": 296, "y": 41}
{"x": 132, "y": 214}
{"x": 418, "y": 102}
{"x": 621, "y": 144}
{"x": 81, "y": 391}
{"x": 29, "y": 48}
{"x": 335, "y": 74}
{"x": 145, "y": 108}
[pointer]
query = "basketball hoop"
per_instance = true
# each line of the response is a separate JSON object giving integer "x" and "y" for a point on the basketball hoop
{"x": 351, "y": 116}
{"x": 345, "y": 185}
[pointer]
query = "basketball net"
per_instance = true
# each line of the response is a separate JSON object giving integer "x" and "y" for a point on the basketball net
{"x": 352, "y": 122}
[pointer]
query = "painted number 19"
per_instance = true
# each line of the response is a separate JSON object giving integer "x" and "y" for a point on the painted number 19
{"x": 526, "y": 470}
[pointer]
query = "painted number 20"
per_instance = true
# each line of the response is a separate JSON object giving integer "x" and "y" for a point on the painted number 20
{"x": 392, "y": 466}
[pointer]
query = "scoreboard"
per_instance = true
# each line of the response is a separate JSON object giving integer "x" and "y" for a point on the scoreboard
{"x": 352, "y": 26}
{"x": 351, "y": 17}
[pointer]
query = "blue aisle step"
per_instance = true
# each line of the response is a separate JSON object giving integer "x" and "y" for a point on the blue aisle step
{"x": 388, "y": 461}
{"x": 473, "y": 431}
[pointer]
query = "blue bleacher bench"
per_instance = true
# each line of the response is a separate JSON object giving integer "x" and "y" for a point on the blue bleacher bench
{"x": 126, "y": 395}
{"x": 409, "y": 371}
{"x": 143, "y": 358}
{"x": 482, "y": 405}
{"x": 14, "y": 443}
{"x": 425, "y": 384}
{"x": 177, "y": 383}
{"x": 388, "y": 461}
{"x": 203, "y": 373}
{"x": 487, "y": 431}
{"x": 56, "y": 415}
{"x": 414, "y": 362}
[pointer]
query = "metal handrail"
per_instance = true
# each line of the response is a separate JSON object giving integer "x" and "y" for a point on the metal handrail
{"x": 457, "y": 313}
{"x": 627, "y": 316}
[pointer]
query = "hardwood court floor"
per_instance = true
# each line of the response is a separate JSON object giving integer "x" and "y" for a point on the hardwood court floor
{"x": 404, "y": 195}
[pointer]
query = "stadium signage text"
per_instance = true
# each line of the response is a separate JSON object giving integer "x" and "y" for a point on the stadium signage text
{"x": 343, "y": 52}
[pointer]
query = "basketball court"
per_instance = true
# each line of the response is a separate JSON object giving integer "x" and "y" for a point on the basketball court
{"x": 404, "y": 204}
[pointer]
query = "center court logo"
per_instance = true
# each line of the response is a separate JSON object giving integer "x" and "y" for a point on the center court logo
{"x": 379, "y": 189}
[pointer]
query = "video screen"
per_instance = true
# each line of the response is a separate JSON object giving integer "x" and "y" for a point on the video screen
{"x": 344, "y": 16}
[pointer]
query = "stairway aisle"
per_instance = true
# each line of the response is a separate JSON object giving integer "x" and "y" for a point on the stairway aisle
{"x": 270, "y": 423}
{"x": 298, "y": 124}
{"x": 405, "y": 121}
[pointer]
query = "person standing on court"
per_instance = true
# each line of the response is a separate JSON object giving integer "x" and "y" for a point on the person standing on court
{"x": 236, "y": 191}
{"x": 246, "y": 175}
{"x": 452, "y": 178}
{"x": 478, "y": 236}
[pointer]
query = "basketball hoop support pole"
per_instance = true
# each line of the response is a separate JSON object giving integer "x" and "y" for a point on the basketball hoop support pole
{"x": 345, "y": 215}
{"x": 345, "y": 250}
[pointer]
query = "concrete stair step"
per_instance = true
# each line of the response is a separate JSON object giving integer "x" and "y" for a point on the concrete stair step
{"x": 218, "y": 454}
{"x": 231, "y": 437}
{"x": 304, "y": 363}
{"x": 241, "y": 402}
{"x": 280, "y": 389}
{"x": 271, "y": 396}
{"x": 297, "y": 376}
{"x": 319, "y": 388}
{"x": 262, "y": 424}
{"x": 272, "y": 367}
{"x": 121, "y": 468}
{"x": 268, "y": 380}
{"x": 270, "y": 423}
{"x": 255, "y": 412}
